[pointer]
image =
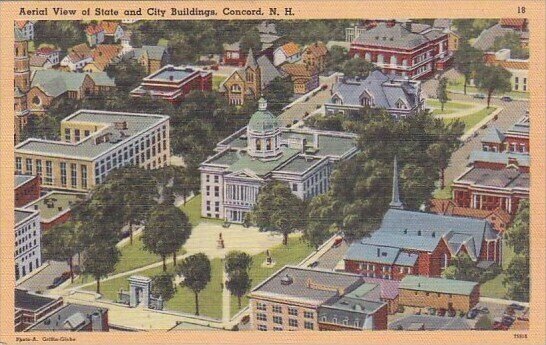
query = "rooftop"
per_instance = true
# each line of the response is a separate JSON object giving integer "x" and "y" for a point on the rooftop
{"x": 171, "y": 73}
{"x": 55, "y": 203}
{"x": 71, "y": 317}
{"x": 90, "y": 148}
{"x": 439, "y": 285}
{"x": 22, "y": 215}
{"x": 505, "y": 158}
{"x": 30, "y": 301}
{"x": 397, "y": 36}
{"x": 20, "y": 180}
{"x": 55, "y": 83}
{"x": 508, "y": 178}
{"x": 429, "y": 323}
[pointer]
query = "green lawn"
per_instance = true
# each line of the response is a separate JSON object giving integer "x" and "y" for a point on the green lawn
{"x": 192, "y": 209}
{"x": 493, "y": 288}
{"x": 457, "y": 85}
{"x": 163, "y": 42}
{"x": 472, "y": 119}
{"x": 216, "y": 81}
{"x": 291, "y": 254}
{"x": 443, "y": 193}
{"x": 449, "y": 107}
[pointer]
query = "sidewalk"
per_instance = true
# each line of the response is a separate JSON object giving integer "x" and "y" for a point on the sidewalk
{"x": 476, "y": 127}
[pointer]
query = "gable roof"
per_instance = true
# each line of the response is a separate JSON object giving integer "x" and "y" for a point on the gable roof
{"x": 298, "y": 70}
{"x": 93, "y": 29}
{"x": 317, "y": 49}
{"x": 103, "y": 54}
{"x": 55, "y": 83}
{"x": 447, "y": 207}
{"x": 38, "y": 60}
{"x": 109, "y": 27}
{"x": 493, "y": 136}
{"x": 155, "y": 52}
{"x": 290, "y": 49}
{"x": 519, "y": 22}
{"x": 396, "y": 36}
{"x": 439, "y": 285}
{"x": 487, "y": 37}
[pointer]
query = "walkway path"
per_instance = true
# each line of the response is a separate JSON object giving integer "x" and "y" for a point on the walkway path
{"x": 226, "y": 299}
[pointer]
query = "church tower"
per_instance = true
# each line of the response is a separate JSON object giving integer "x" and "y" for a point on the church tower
{"x": 253, "y": 75}
{"x": 395, "y": 201}
{"x": 21, "y": 83}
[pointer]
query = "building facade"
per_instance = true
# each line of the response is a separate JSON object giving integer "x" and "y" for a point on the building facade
{"x": 519, "y": 68}
{"x": 404, "y": 49}
{"x": 31, "y": 307}
{"x": 287, "y": 53}
{"x": 28, "y": 254}
{"x": 399, "y": 96}
{"x": 27, "y": 189}
{"x": 93, "y": 144}
{"x": 26, "y": 27}
{"x": 262, "y": 151}
{"x": 315, "y": 56}
{"x": 305, "y": 78}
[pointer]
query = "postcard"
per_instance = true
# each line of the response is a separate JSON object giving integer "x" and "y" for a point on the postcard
{"x": 240, "y": 172}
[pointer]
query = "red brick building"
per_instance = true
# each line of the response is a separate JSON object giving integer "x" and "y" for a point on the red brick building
{"x": 515, "y": 139}
{"x": 174, "y": 83}
{"x": 55, "y": 208}
{"x": 27, "y": 189}
{"x": 415, "y": 51}
{"x": 29, "y": 308}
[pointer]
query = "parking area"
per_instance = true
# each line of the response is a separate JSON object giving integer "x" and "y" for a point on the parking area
{"x": 44, "y": 278}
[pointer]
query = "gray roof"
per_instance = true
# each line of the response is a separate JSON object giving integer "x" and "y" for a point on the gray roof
{"x": 308, "y": 285}
{"x": 71, "y": 317}
{"x": 268, "y": 71}
{"x": 54, "y": 83}
{"x": 30, "y": 301}
{"x": 439, "y": 285}
{"x": 155, "y": 52}
{"x": 443, "y": 23}
{"x": 500, "y": 157}
{"x": 396, "y": 36}
{"x": 487, "y": 37}
{"x": 22, "y": 179}
{"x": 87, "y": 148}
{"x": 349, "y": 310}
{"x": 384, "y": 90}
{"x": 22, "y": 215}
{"x": 521, "y": 127}
{"x": 508, "y": 178}
{"x": 493, "y": 136}
{"x": 430, "y": 323}
{"x": 267, "y": 28}
{"x": 231, "y": 46}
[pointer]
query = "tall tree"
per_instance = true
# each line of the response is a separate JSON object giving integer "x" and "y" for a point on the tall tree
{"x": 278, "y": 94}
{"x": 101, "y": 259}
{"x": 322, "y": 220}
{"x": 441, "y": 92}
{"x": 517, "y": 235}
{"x": 466, "y": 59}
{"x": 337, "y": 56}
{"x": 60, "y": 243}
{"x": 278, "y": 210}
{"x": 237, "y": 260}
{"x": 251, "y": 40}
{"x": 462, "y": 267}
{"x": 128, "y": 74}
{"x": 196, "y": 273}
{"x": 439, "y": 152}
{"x": 493, "y": 79}
{"x": 162, "y": 285}
{"x": 239, "y": 283}
{"x": 357, "y": 67}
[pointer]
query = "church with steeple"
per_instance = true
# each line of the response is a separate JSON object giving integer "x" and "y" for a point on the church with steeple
{"x": 262, "y": 151}
{"x": 418, "y": 243}
{"x": 21, "y": 82}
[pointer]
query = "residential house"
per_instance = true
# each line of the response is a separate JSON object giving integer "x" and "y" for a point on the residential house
{"x": 315, "y": 56}
{"x": 519, "y": 68}
{"x": 173, "y": 84}
{"x": 405, "y": 49}
{"x": 45, "y": 58}
{"x": 250, "y": 81}
{"x": 27, "y": 189}
{"x": 487, "y": 37}
{"x": 439, "y": 293}
{"x": 48, "y": 85}
{"x": 74, "y": 318}
{"x": 264, "y": 151}
{"x": 55, "y": 208}
{"x": 152, "y": 58}
{"x": 297, "y": 298}
{"x": 28, "y": 253}
{"x": 401, "y": 97}
{"x": 31, "y": 307}
{"x": 304, "y": 78}
{"x": 77, "y": 57}
{"x": 113, "y": 31}
{"x": 103, "y": 55}
{"x": 233, "y": 55}
{"x": 26, "y": 27}
{"x": 95, "y": 34}
{"x": 287, "y": 53}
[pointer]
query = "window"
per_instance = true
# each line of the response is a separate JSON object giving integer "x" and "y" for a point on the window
{"x": 39, "y": 167}
{"x": 261, "y": 317}
{"x": 208, "y": 190}
{"x": 216, "y": 179}
{"x": 86, "y": 133}
{"x": 277, "y": 328}
{"x": 293, "y": 311}
{"x": 49, "y": 173}
{"x": 294, "y": 187}
{"x": 346, "y": 322}
{"x": 63, "y": 174}
{"x": 216, "y": 191}
{"x": 293, "y": 322}
{"x": 28, "y": 164}
{"x": 67, "y": 134}
{"x": 277, "y": 309}
{"x": 261, "y": 306}
{"x": 74, "y": 175}
{"x": 308, "y": 314}
{"x": 277, "y": 320}
{"x": 207, "y": 178}
{"x": 84, "y": 176}
{"x": 18, "y": 165}
{"x": 77, "y": 134}
{"x": 308, "y": 325}
{"x": 357, "y": 323}
{"x": 262, "y": 328}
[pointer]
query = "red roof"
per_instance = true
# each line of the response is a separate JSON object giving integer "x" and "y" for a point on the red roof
{"x": 93, "y": 29}
{"x": 109, "y": 27}
{"x": 514, "y": 22}
{"x": 21, "y": 23}
{"x": 298, "y": 70}
{"x": 489, "y": 58}
{"x": 317, "y": 49}
{"x": 447, "y": 207}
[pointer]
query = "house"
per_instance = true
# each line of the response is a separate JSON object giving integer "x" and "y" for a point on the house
{"x": 250, "y": 81}
{"x": 152, "y": 58}
{"x": 26, "y": 27}
{"x": 498, "y": 218}
{"x": 446, "y": 25}
{"x": 27, "y": 189}
{"x": 93, "y": 144}
{"x": 233, "y": 55}
{"x": 515, "y": 139}
{"x": 126, "y": 46}
{"x": 419, "y": 243}
{"x": 31, "y": 307}
{"x": 77, "y": 57}
{"x": 404, "y": 49}
{"x": 487, "y": 37}
{"x": 518, "y": 24}
{"x": 297, "y": 298}
{"x": 315, "y": 56}
{"x": 74, "y": 318}
{"x": 55, "y": 208}
{"x": 439, "y": 293}
{"x": 173, "y": 84}
{"x": 95, "y": 34}
{"x": 48, "y": 85}
{"x": 28, "y": 253}
{"x": 265, "y": 151}
{"x": 45, "y": 57}
{"x": 287, "y": 53}
{"x": 519, "y": 68}
{"x": 103, "y": 55}
{"x": 401, "y": 97}
{"x": 40, "y": 62}
{"x": 112, "y": 31}
{"x": 304, "y": 78}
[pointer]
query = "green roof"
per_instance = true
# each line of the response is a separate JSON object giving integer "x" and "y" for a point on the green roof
{"x": 300, "y": 164}
{"x": 23, "y": 215}
{"x": 263, "y": 121}
{"x": 54, "y": 83}
{"x": 55, "y": 203}
{"x": 439, "y": 285}
{"x": 362, "y": 290}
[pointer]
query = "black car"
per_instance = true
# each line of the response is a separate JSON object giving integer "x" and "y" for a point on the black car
{"x": 516, "y": 306}
{"x": 472, "y": 313}
{"x": 57, "y": 281}
{"x": 506, "y": 99}
{"x": 313, "y": 264}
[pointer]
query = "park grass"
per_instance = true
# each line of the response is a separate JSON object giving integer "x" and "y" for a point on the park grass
{"x": 443, "y": 193}
{"x": 163, "y": 42}
{"x": 291, "y": 254}
{"x": 494, "y": 288}
{"x": 449, "y": 105}
{"x": 457, "y": 85}
{"x": 473, "y": 119}
{"x": 192, "y": 209}
{"x": 216, "y": 81}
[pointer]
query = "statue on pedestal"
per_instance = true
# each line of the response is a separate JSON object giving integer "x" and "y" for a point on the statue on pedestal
{"x": 220, "y": 242}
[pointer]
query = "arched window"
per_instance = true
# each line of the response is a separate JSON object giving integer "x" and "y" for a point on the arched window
{"x": 36, "y": 100}
{"x": 393, "y": 60}
{"x": 368, "y": 57}
{"x": 380, "y": 58}
{"x": 235, "y": 88}
{"x": 268, "y": 144}
{"x": 258, "y": 145}
{"x": 445, "y": 261}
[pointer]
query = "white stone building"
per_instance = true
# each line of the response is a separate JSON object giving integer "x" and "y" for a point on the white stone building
{"x": 28, "y": 256}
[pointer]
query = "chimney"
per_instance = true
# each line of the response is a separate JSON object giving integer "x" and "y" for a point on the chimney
{"x": 96, "y": 322}
{"x": 121, "y": 125}
{"x": 378, "y": 252}
{"x": 171, "y": 78}
{"x": 315, "y": 140}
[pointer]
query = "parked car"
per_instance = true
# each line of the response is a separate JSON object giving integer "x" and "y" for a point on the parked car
{"x": 417, "y": 311}
{"x": 337, "y": 242}
{"x": 432, "y": 311}
{"x": 506, "y": 99}
{"x": 508, "y": 320}
{"x": 483, "y": 310}
{"x": 245, "y": 319}
{"x": 58, "y": 281}
{"x": 479, "y": 95}
{"x": 442, "y": 312}
{"x": 226, "y": 224}
{"x": 516, "y": 306}
{"x": 451, "y": 312}
{"x": 324, "y": 86}
{"x": 472, "y": 313}
{"x": 313, "y": 264}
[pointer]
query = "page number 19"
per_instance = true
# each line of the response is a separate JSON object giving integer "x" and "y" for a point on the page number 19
{"x": 521, "y": 9}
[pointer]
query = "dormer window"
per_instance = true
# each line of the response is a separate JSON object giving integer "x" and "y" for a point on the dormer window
{"x": 400, "y": 104}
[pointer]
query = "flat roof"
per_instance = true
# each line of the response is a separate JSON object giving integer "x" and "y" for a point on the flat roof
{"x": 20, "y": 180}
{"x": 440, "y": 285}
{"x": 54, "y": 203}
{"x": 87, "y": 148}
{"x": 22, "y": 215}
{"x": 31, "y": 301}
{"x": 300, "y": 164}
{"x": 70, "y": 317}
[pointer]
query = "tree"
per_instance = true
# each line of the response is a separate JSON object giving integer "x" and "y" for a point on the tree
{"x": 162, "y": 285}
{"x": 512, "y": 41}
{"x": 180, "y": 50}
{"x": 517, "y": 235}
{"x": 493, "y": 79}
{"x": 337, "y": 56}
{"x": 251, "y": 40}
{"x": 239, "y": 283}
{"x": 278, "y": 209}
{"x": 196, "y": 273}
{"x": 484, "y": 323}
{"x": 41, "y": 127}
{"x": 128, "y": 74}
{"x": 357, "y": 67}
{"x": 101, "y": 259}
{"x": 462, "y": 267}
{"x": 65, "y": 33}
{"x": 278, "y": 94}
{"x": 441, "y": 92}
{"x": 440, "y": 153}
{"x": 167, "y": 229}
{"x": 60, "y": 243}
{"x": 517, "y": 278}
{"x": 321, "y": 222}
{"x": 466, "y": 59}
{"x": 237, "y": 260}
